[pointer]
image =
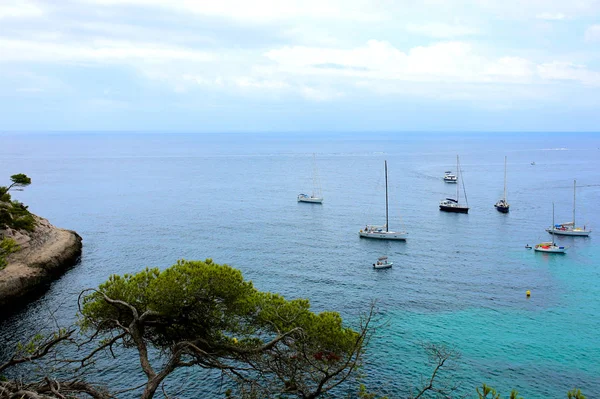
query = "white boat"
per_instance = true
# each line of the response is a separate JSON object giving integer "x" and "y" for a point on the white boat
{"x": 502, "y": 205}
{"x": 449, "y": 177}
{"x": 382, "y": 232}
{"x": 569, "y": 229}
{"x": 382, "y": 263}
{"x": 550, "y": 247}
{"x": 453, "y": 205}
{"x": 316, "y": 197}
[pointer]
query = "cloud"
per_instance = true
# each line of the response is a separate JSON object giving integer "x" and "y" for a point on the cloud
{"x": 592, "y": 33}
{"x": 251, "y": 83}
{"x": 444, "y": 61}
{"x": 19, "y": 9}
{"x": 566, "y": 71}
{"x": 98, "y": 51}
{"x": 259, "y": 10}
{"x": 548, "y": 16}
{"x": 441, "y": 30}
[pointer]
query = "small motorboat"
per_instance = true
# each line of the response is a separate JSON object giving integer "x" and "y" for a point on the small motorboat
{"x": 382, "y": 263}
{"x": 449, "y": 177}
{"x": 528, "y": 246}
{"x": 533, "y": 163}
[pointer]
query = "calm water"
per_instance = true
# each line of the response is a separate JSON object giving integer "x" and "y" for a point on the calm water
{"x": 147, "y": 200}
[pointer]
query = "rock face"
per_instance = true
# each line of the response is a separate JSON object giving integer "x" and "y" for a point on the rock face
{"x": 45, "y": 253}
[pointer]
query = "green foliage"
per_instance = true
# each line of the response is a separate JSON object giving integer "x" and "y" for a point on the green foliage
{"x": 4, "y": 195}
{"x": 211, "y": 301}
{"x": 363, "y": 393}
{"x": 200, "y": 299}
{"x": 7, "y": 246}
{"x": 575, "y": 394}
{"x": 20, "y": 180}
{"x": 14, "y": 214}
{"x": 224, "y": 322}
{"x": 485, "y": 391}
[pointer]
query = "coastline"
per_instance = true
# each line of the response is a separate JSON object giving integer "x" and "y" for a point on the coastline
{"x": 45, "y": 254}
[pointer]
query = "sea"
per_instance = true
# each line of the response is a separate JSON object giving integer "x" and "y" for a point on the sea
{"x": 460, "y": 280}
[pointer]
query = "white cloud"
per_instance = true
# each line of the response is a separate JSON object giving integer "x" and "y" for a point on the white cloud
{"x": 548, "y": 16}
{"x": 444, "y": 61}
{"x": 99, "y": 51}
{"x": 260, "y": 10}
{"x": 592, "y": 33}
{"x": 19, "y": 9}
{"x": 251, "y": 83}
{"x": 567, "y": 71}
{"x": 441, "y": 30}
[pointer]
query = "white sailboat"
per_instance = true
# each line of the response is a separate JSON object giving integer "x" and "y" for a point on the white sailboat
{"x": 502, "y": 205}
{"x": 550, "y": 247}
{"x": 454, "y": 205}
{"x": 569, "y": 229}
{"x": 382, "y": 232}
{"x": 316, "y": 197}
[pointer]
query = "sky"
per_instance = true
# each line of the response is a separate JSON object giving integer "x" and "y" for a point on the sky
{"x": 299, "y": 65}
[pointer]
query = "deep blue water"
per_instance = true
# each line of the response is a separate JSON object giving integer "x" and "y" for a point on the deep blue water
{"x": 149, "y": 199}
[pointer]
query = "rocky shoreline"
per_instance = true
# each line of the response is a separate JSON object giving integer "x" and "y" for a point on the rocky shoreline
{"x": 45, "y": 254}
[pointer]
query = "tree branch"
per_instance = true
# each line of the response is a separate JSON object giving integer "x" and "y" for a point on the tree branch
{"x": 39, "y": 352}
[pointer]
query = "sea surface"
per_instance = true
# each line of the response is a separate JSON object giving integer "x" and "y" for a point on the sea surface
{"x": 146, "y": 200}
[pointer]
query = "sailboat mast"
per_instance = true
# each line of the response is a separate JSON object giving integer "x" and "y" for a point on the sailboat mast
{"x": 552, "y": 224}
{"x": 457, "y": 178}
{"x": 314, "y": 165}
{"x": 574, "y": 185}
{"x": 505, "y": 178}
{"x": 386, "y": 198}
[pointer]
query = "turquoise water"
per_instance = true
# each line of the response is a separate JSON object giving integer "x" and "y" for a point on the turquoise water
{"x": 147, "y": 200}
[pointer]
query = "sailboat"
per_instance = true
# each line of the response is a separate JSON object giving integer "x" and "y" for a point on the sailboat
{"x": 550, "y": 247}
{"x": 316, "y": 197}
{"x": 382, "y": 232}
{"x": 453, "y": 205}
{"x": 569, "y": 229}
{"x": 502, "y": 205}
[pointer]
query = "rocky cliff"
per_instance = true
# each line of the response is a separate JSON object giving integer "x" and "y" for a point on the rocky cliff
{"x": 45, "y": 253}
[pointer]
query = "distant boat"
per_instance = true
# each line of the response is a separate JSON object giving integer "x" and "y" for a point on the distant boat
{"x": 382, "y": 232}
{"x": 550, "y": 247}
{"x": 502, "y": 205}
{"x": 454, "y": 205}
{"x": 569, "y": 229}
{"x": 449, "y": 177}
{"x": 382, "y": 263}
{"x": 533, "y": 163}
{"x": 316, "y": 197}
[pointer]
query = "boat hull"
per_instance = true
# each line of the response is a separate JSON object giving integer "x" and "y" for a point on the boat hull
{"x": 502, "y": 209}
{"x": 573, "y": 233}
{"x": 385, "y": 266}
{"x": 550, "y": 250}
{"x": 312, "y": 200}
{"x": 454, "y": 209}
{"x": 383, "y": 235}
